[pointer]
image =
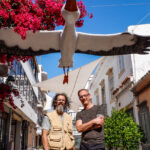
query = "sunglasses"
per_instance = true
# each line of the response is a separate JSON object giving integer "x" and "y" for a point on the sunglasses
{"x": 85, "y": 95}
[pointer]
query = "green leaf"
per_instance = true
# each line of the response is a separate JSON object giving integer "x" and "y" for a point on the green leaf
{"x": 121, "y": 131}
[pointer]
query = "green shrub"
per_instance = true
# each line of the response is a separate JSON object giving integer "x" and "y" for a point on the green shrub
{"x": 121, "y": 131}
{"x": 39, "y": 146}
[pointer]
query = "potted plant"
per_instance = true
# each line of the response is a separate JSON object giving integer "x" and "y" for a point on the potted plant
{"x": 122, "y": 132}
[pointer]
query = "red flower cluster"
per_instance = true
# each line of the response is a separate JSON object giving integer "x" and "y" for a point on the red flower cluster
{"x": 51, "y": 13}
{"x": 5, "y": 59}
{"x": 6, "y": 92}
{"x": 25, "y": 15}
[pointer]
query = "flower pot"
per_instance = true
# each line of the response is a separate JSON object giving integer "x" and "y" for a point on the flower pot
{"x": 4, "y": 70}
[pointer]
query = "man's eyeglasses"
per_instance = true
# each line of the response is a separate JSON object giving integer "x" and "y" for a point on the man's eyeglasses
{"x": 85, "y": 95}
{"x": 60, "y": 100}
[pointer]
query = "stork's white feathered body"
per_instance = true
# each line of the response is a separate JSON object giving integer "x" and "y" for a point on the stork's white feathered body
{"x": 68, "y": 38}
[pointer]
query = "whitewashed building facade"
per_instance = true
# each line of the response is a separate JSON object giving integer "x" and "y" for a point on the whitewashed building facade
{"x": 115, "y": 76}
{"x": 18, "y": 127}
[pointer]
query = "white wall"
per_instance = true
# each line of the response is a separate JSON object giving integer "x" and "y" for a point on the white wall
{"x": 125, "y": 98}
{"x": 27, "y": 111}
{"x": 135, "y": 68}
{"x": 141, "y": 64}
{"x": 104, "y": 65}
{"x": 101, "y": 74}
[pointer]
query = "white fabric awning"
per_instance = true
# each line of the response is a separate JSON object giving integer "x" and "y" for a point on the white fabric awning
{"x": 77, "y": 80}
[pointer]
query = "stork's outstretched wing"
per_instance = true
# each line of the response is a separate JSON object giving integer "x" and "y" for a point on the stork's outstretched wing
{"x": 38, "y": 43}
{"x": 112, "y": 44}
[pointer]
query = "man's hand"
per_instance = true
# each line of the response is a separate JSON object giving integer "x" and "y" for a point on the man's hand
{"x": 98, "y": 121}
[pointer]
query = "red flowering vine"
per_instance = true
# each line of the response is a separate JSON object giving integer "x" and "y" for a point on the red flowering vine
{"x": 9, "y": 59}
{"x": 6, "y": 92}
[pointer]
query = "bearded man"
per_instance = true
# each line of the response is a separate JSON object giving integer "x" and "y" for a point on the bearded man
{"x": 57, "y": 126}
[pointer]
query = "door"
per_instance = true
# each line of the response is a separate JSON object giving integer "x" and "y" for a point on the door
{"x": 144, "y": 120}
{"x": 3, "y": 130}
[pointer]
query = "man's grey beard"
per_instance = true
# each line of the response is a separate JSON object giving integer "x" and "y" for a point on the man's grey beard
{"x": 60, "y": 109}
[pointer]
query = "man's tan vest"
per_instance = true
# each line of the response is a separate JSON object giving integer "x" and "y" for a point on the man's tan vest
{"x": 60, "y": 135}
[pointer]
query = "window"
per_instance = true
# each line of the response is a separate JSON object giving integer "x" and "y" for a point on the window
{"x": 13, "y": 69}
{"x": 130, "y": 112}
{"x": 144, "y": 120}
{"x": 3, "y": 130}
{"x": 111, "y": 82}
{"x": 34, "y": 68}
{"x": 102, "y": 84}
{"x": 19, "y": 68}
{"x": 97, "y": 96}
{"x": 103, "y": 95}
{"x": 121, "y": 63}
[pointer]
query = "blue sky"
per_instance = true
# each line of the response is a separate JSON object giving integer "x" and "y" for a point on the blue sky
{"x": 109, "y": 16}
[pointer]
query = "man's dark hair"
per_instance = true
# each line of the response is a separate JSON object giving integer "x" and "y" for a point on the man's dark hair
{"x": 82, "y": 90}
{"x": 67, "y": 103}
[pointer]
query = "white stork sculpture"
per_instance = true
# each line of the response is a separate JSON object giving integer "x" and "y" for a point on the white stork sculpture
{"x": 68, "y": 41}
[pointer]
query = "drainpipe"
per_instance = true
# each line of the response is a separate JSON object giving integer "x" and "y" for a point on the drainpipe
{"x": 135, "y": 98}
{"x": 136, "y": 103}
